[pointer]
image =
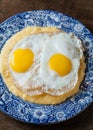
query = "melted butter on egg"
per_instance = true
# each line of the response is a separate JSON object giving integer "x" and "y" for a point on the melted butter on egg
{"x": 61, "y": 64}
{"x": 21, "y": 60}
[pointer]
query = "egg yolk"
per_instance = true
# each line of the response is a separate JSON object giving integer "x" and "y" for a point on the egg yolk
{"x": 60, "y": 64}
{"x": 21, "y": 60}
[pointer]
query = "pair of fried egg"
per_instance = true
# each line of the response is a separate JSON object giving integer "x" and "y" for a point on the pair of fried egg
{"x": 46, "y": 62}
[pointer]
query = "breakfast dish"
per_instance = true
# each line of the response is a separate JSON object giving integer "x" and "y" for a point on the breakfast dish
{"x": 43, "y": 64}
{"x": 25, "y": 104}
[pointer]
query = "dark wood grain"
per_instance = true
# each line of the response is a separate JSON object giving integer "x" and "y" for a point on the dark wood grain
{"x": 79, "y": 9}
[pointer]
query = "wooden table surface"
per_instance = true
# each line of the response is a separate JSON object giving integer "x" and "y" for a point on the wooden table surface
{"x": 79, "y": 9}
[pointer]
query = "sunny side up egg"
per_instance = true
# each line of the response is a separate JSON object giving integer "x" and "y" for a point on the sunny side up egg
{"x": 60, "y": 62}
{"x": 47, "y": 61}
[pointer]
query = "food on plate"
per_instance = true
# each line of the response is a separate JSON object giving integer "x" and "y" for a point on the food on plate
{"x": 43, "y": 65}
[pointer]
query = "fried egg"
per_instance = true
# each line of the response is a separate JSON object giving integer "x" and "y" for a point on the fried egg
{"x": 60, "y": 62}
{"x": 24, "y": 62}
{"x": 46, "y": 63}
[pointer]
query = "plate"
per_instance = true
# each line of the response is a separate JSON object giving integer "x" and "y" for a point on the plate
{"x": 47, "y": 114}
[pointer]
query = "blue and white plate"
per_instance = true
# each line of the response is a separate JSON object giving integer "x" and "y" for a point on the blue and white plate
{"x": 47, "y": 114}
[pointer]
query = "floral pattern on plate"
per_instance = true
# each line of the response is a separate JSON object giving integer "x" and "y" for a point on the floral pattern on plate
{"x": 47, "y": 114}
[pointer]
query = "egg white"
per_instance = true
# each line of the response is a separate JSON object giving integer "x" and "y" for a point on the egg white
{"x": 29, "y": 78}
{"x": 67, "y": 44}
{"x": 43, "y": 47}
